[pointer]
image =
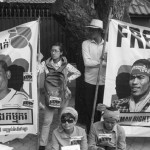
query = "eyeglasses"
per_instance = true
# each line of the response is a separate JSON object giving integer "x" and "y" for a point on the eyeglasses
{"x": 54, "y": 50}
{"x": 67, "y": 120}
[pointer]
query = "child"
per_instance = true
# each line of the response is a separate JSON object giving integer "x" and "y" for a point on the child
{"x": 68, "y": 133}
{"x": 107, "y": 134}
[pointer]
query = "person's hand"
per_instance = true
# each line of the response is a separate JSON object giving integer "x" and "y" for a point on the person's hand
{"x": 105, "y": 57}
{"x": 107, "y": 143}
{"x": 101, "y": 107}
{"x": 68, "y": 80}
{"x": 68, "y": 94}
{"x": 39, "y": 57}
{"x": 41, "y": 106}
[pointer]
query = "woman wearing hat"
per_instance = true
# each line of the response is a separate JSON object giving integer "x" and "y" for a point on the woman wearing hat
{"x": 68, "y": 133}
{"x": 107, "y": 134}
{"x": 92, "y": 52}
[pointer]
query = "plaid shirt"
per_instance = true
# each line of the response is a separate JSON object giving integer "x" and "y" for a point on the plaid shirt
{"x": 123, "y": 105}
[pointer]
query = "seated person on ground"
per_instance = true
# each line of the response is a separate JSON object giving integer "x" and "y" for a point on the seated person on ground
{"x": 68, "y": 133}
{"x": 107, "y": 134}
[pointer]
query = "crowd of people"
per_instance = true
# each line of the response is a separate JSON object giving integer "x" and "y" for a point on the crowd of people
{"x": 104, "y": 133}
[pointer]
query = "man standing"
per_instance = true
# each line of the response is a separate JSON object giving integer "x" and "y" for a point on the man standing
{"x": 92, "y": 51}
{"x": 139, "y": 100}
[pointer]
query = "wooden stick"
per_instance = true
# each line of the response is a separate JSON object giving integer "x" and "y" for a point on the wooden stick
{"x": 100, "y": 67}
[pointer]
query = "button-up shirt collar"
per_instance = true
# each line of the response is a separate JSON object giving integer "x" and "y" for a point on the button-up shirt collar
{"x": 56, "y": 65}
{"x": 93, "y": 41}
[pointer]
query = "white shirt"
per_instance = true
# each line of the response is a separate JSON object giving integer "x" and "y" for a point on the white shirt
{"x": 91, "y": 52}
{"x": 14, "y": 99}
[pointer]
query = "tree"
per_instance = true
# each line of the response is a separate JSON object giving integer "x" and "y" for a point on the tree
{"x": 119, "y": 9}
{"x": 78, "y": 14}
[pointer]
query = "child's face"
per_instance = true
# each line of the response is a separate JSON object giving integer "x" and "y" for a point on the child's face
{"x": 55, "y": 52}
{"x": 109, "y": 123}
{"x": 68, "y": 123}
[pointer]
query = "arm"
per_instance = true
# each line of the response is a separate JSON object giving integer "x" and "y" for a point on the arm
{"x": 105, "y": 55}
{"x": 75, "y": 73}
{"x": 92, "y": 140}
{"x": 121, "y": 143}
{"x": 88, "y": 61}
{"x": 84, "y": 145}
{"x": 104, "y": 63}
{"x": 55, "y": 144}
{"x": 41, "y": 67}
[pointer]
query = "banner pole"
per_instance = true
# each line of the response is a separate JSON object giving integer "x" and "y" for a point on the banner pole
{"x": 38, "y": 83}
{"x": 101, "y": 61}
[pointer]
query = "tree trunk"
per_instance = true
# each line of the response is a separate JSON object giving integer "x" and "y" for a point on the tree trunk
{"x": 119, "y": 9}
{"x": 76, "y": 17}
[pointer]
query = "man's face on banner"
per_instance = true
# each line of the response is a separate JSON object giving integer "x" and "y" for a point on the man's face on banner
{"x": 140, "y": 84}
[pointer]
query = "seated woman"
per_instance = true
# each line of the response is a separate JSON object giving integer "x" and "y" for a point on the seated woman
{"x": 68, "y": 133}
{"x": 107, "y": 134}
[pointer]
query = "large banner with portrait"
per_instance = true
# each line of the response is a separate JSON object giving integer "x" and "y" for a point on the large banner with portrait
{"x": 18, "y": 82}
{"x": 124, "y": 90}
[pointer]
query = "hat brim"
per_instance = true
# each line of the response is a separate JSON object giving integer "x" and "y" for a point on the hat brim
{"x": 96, "y": 27}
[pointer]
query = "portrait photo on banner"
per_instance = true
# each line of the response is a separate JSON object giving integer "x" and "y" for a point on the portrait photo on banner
{"x": 128, "y": 75}
{"x": 18, "y": 82}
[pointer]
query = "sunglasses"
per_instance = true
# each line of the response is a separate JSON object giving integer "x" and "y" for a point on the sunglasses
{"x": 67, "y": 120}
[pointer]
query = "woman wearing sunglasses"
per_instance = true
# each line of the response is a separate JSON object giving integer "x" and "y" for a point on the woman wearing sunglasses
{"x": 68, "y": 133}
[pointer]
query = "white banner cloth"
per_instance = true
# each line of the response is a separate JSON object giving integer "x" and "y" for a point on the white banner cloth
{"x": 18, "y": 47}
{"x": 127, "y": 43}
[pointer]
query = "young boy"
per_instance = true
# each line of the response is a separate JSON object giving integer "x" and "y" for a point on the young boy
{"x": 107, "y": 134}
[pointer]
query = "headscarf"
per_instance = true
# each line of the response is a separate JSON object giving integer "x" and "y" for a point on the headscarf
{"x": 108, "y": 114}
{"x": 140, "y": 69}
{"x": 70, "y": 110}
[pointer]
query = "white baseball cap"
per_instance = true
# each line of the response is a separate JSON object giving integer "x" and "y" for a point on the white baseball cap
{"x": 96, "y": 23}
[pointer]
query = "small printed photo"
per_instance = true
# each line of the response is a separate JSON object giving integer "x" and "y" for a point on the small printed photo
{"x": 76, "y": 140}
{"x": 103, "y": 137}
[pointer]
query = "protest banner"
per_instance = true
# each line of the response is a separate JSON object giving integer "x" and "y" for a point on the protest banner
{"x": 18, "y": 48}
{"x": 127, "y": 43}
